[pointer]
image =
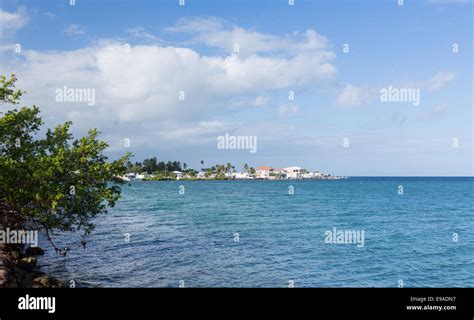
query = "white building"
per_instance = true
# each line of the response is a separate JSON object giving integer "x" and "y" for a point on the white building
{"x": 141, "y": 176}
{"x": 263, "y": 172}
{"x": 293, "y": 172}
{"x": 279, "y": 173}
{"x": 240, "y": 175}
{"x": 178, "y": 174}
{"x": 201, "y": 175}
{"x": 308, "y": 175}
{"x": 129, "y": 176}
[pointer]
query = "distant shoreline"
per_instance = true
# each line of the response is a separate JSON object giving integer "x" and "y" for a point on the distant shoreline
{"x": 319, "y": 179}
{"x": 230, "y": 179}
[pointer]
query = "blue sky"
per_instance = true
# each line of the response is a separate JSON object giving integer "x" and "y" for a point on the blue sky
{"x": 282, "y": 48}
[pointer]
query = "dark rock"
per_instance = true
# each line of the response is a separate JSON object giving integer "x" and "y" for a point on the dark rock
{"x": 15, "y": 255}
{"x": 23, "y": 278}
{"x": 4, "y": 278}
{"x": 34, "y": 251}
{"x": 42, "y": 282}
{"x": 46, "y": 282}
{"x": 28, "y": 263}
{"x": 5, "y": 262}
{"x": 20, "y": 273}
{"x": 13, "y": 247}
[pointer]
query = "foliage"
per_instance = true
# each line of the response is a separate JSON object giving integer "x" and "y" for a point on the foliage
{"x": 56, "y": 182}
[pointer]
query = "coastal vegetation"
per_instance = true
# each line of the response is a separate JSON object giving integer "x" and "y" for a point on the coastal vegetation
{"x": 152, "y": 170}
{"x": 52, "y": 183}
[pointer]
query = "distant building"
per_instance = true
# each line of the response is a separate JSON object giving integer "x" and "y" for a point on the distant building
{"x": 201, "y": 175}
{"x": 293, "y": 172}
{"x": 240, "y": 175}
{"x": 179, "y": 175}
{"x": 128, "y": 177}
{"x": 263, "y": 172}
{"x": 279, "y": 173}
{"x": 141, "y": 176}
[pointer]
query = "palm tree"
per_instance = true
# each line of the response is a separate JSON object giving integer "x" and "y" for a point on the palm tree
{"x": 246, "y": 167}
{"x": 202, "y": 163}
{"x": 185, "y": 166}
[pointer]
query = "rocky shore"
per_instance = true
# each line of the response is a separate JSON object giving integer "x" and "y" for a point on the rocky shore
{"x": 19, "y": 269}
{"x": 18, "y": 264}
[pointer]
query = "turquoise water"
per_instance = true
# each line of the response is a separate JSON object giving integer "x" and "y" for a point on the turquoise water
{"x": 191, "y": 238}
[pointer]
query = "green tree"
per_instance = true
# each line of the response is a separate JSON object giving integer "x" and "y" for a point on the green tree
{"x": 8, "y": 93}
{"x": 220, "y": 172}
{"x": 150, "y": 165}
{"x": 129, "y": 166}
{"x": 137, "y": 168}
{"x": 54, "y": 183}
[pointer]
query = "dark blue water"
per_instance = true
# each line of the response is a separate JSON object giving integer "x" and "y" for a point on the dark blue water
{"x": 191, "y": 237}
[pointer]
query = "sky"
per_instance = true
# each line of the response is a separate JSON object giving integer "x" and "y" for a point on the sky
{"x": 305, "y": 79}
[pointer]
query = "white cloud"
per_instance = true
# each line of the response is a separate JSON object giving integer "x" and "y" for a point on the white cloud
{"x": 50, "y": 15}
{"x": 439, "y": 80}
{"x": 288, "y": 110}
{"x": 143, "y": 84}
{"x": 12, "y": 21}
{"x": 7, "y": 47}
{"x": 434, "y": 113}
{"x": 433, "y": 83}
{"x": 352, "y": 96}
{"x": 202, "y": 131}
{"x": 140, "y": 33}
{"x": 245, "y": 102}
{"x": 220, "y": 34}
{"x": 259, "y": 101}
{"x": 197, "y": 25}
{"x": 138, "y": 86}
{"x": 74, "y": 30}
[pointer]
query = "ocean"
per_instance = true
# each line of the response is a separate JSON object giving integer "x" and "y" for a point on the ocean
{"x": 416, "y": 232}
